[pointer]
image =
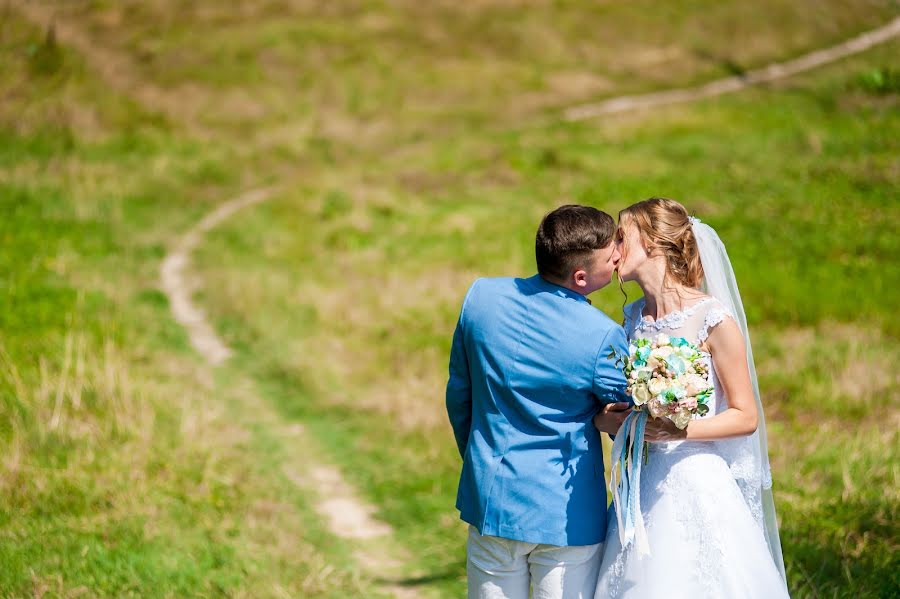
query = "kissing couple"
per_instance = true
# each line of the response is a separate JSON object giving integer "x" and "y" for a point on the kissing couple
{"x": 534, "y": 380}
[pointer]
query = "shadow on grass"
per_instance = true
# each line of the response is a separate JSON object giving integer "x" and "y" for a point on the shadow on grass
{"x": 452, "y": 572}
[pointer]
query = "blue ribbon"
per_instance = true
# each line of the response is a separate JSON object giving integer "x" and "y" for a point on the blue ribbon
{"x": 625, "y": 481}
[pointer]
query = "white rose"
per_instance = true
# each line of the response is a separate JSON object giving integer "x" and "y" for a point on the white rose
{"x": 662, "y": 352}
{"x": 663, "y": 339}
{"x": 657, "y": 386}
{"x": 640, "y": 394}
{"x": 694, "y": 384}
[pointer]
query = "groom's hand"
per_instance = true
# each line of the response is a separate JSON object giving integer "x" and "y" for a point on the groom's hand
{"x": 610, "y": 418}
{"x": 662, "y": 429}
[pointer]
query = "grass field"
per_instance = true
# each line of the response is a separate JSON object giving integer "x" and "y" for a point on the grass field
{"x": 413, "y": 148}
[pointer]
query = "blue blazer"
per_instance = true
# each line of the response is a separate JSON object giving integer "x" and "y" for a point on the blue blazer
{"x": 528, "y": 371}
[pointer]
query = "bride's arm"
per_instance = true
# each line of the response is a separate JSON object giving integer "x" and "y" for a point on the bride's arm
{"x": 729, "y": 356}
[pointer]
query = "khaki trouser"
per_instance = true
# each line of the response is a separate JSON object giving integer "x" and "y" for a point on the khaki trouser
{"x": 500, "y": 568}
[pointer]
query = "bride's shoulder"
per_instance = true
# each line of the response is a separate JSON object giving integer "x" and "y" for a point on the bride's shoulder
{"x": 713, "y": 305}
{"x": 713, "y": 313}
{"x": 703, "y": 303}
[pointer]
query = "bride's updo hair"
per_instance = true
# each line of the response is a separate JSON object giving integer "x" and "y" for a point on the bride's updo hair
{"x": 665, "y": 225}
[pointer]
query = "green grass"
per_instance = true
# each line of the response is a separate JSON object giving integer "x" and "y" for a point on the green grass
{"x": 415, "y": 149}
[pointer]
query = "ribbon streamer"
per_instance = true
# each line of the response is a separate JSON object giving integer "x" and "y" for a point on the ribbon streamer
{"x": 625, "y": 481}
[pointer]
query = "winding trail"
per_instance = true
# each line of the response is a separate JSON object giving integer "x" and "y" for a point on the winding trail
{"x": 718, "y": 87}
{"x": 346, "y": 515}
{"x": 179, "y": 288}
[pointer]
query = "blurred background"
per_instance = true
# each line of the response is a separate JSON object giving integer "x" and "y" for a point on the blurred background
{"x": 407, "y": 147}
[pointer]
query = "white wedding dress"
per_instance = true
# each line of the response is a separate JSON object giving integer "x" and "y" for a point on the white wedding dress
{"x": 700, "y": 502}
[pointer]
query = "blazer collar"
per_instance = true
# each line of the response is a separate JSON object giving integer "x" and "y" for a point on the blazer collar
{"x": 545, "y": 285}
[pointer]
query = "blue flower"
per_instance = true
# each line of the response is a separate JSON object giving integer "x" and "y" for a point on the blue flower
{"x": 676, "y": 364}
{"x": 643, "y": 353}
{"x": 678, "y": 341}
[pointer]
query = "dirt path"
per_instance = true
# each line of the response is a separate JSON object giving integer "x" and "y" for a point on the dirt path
{"x": 353, "y": 520}
{"x": 346, "y": 515}
{"x": 726, "y": 85}
{"x": 179, "y": 287}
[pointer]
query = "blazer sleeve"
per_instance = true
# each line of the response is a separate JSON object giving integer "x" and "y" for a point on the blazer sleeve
{"x": 609, "y": 380}
{"x": 459, "y": 385}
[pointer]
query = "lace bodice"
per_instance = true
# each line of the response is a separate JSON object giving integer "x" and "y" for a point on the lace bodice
{"x": 694, "y": 323}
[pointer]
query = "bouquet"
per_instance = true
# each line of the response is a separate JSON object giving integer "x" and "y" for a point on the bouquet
{"x": 667, "y": 378}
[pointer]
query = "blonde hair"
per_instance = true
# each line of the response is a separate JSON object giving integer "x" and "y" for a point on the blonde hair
{"x": 665, "y": 225}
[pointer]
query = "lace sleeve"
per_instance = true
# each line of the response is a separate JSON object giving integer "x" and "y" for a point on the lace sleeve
{"x": 716, "y": 315}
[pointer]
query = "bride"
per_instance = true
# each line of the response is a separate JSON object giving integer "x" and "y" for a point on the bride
{"x": 705, "y": 492}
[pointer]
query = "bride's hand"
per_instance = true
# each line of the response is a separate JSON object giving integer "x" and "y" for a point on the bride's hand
{"x": 658, "y": 430}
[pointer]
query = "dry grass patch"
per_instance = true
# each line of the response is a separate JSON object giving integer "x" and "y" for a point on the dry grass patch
{"x": 837, "y": 360}
{"x": 360, "y": 353}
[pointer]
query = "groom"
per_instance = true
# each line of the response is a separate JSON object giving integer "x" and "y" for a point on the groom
{"x": 528, "y": 372}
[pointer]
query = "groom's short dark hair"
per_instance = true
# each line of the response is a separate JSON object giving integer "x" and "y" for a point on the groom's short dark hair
{"x": 567, "y": 236}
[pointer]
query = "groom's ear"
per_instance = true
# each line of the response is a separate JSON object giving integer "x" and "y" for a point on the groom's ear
{"x": 579, "y": 277}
